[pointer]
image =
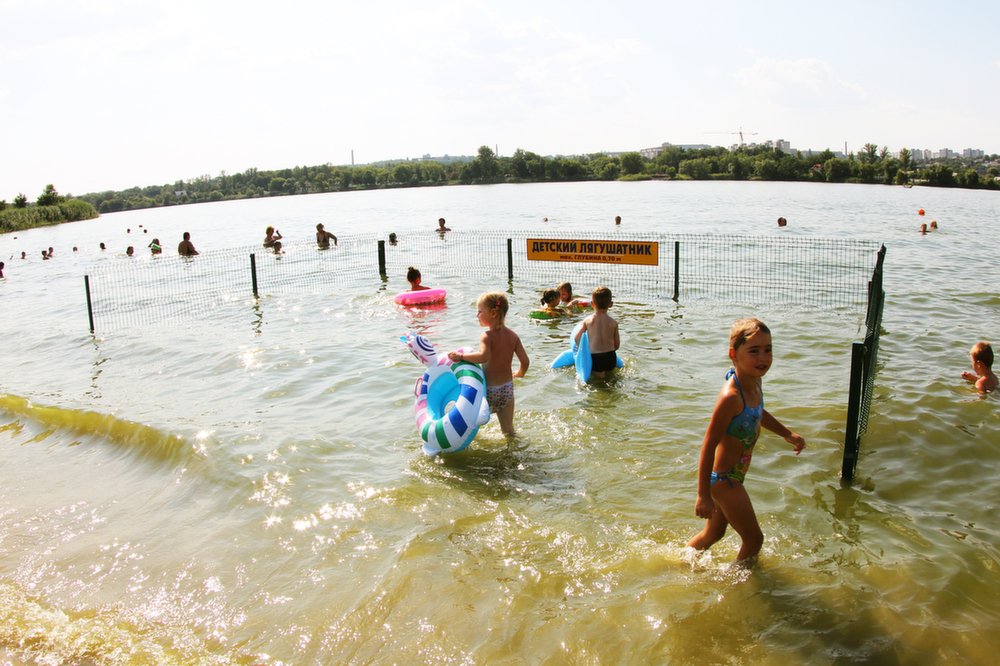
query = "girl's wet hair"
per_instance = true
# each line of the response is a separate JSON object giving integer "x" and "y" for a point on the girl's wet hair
{"x": 548, "y": 295}
{"x": 495, "y": 300}
{"x": 743, "y": 329}
{"x": 412, "y": 274}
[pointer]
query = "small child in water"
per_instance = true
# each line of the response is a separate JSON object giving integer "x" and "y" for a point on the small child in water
{"x": 729, "y": 441}
{"x": 550, "y": 304}
{"x": 566, "y": 299}
{"x": 497, "y": 348}
{"x": 413, "y": 277}
{"x": 602, "y": 334}
{"x": 982, "y": 363}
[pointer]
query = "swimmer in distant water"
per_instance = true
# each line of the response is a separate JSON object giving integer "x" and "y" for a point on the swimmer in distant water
{"x": 186, "y": 248}
{"x": 729, "y": 441}
{"x": 271, "y": 236}
{"x": 323, "y": 237}
{"x": 154, "y": 246}
{"x": 413, "y": 277}
{"x": 392, "y": 239}
{"x": 618, "y": 219}
{"x": 276, "y": 246}
{"x": 782, "y": 222}
{"x": 497, "y": 348}
{"x": 933, "y": 225}
{"x": 129, "y": 251}
{"x": 982, "y": 363}
{"x": 441, "y": 228}
{"x": 923, "y": 229}
{"x": 1, "y": 269}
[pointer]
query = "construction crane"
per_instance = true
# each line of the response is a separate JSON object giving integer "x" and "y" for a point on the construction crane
{"x": 739, "y": 132}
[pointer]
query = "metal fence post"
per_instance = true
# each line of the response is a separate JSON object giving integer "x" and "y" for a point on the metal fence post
{"x": 381, "y": 258}
{"x": 253, "y": 273}
{"x": 857, "y": 387}
{"x": 510, "y": 260}
{"x": 677, "y": 270}
{"x": 90, "y": 307}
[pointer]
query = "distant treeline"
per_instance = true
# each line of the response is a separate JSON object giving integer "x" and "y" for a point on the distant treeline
{"x": 757, "y": 162}
{"x": 50, "y": 208}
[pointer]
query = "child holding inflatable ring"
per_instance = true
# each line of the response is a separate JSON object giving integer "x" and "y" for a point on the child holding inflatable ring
{"x": 497, "y": 348}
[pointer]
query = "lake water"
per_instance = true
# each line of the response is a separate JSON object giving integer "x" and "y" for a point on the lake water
{"x": 242, "y": 482}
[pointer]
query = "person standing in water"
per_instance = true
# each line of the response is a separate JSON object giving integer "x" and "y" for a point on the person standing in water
{"x": 497, "y": 348}
{"x": 729, "y": 441}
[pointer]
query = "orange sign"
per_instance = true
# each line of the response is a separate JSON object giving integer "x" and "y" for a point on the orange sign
{"x": 643, "y": 253}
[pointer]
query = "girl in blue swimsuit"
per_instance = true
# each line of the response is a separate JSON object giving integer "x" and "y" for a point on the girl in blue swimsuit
{"x": 729, "y": 441}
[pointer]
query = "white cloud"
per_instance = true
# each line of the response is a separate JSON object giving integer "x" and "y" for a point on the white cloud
{"x": 803, "y": 82}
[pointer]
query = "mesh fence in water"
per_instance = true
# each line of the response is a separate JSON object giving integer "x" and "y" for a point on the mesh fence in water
{"x": 742, "y": 270}
{"x": 739, "y": 270}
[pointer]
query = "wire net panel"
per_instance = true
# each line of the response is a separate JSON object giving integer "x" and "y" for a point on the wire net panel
{"x": 742, "y": 270}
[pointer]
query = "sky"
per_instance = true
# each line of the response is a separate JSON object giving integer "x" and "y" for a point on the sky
{"x": 102, "y": 95}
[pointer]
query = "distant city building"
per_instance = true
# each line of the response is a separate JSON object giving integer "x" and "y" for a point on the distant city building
{"x": 972, "y": 153}
{"x": 650, "y": 153}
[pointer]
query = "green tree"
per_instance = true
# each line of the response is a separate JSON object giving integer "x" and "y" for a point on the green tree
{"x": 20, "y": 201}
{"x": 837, "y": 170}
{"x": 699, "y": 168}
{"x": 485, "y": 168}
{"x": 905, "y": 156}
{"x": 49, "y": 196}
{"x": 869, "y": 151}
{"x": 632, "y": 163}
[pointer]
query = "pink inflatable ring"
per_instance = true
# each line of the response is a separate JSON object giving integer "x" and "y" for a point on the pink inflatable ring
{"x": 421, "y": 297}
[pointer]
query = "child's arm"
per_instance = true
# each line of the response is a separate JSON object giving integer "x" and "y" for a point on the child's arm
{"x": 618, "y": 342}
{"x": 970, "y": 376}
{"x": 775, "y": 426}
{"x": 722, "y": 414}
{"x": 522, "y": 359}
{"x": 481, "y": 356}
{"x": 579, "y": 334}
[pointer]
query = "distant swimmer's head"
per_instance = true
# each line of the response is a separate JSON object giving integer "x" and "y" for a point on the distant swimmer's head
{"x": 550, "y": 297}
{"x": 565, "y": 290}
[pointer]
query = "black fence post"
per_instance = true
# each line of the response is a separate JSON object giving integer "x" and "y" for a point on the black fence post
{"x": 857, "y": 387}
{"x": 253, "y": 274}
{"x": 90, "y": 307}
{"x": 510, "y": 260}
{"x": 677, "y": 270}
{"x": 381, "y": 258}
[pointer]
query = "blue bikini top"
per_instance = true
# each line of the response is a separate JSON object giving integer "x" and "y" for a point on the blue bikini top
{"x": 744, "y": 425}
